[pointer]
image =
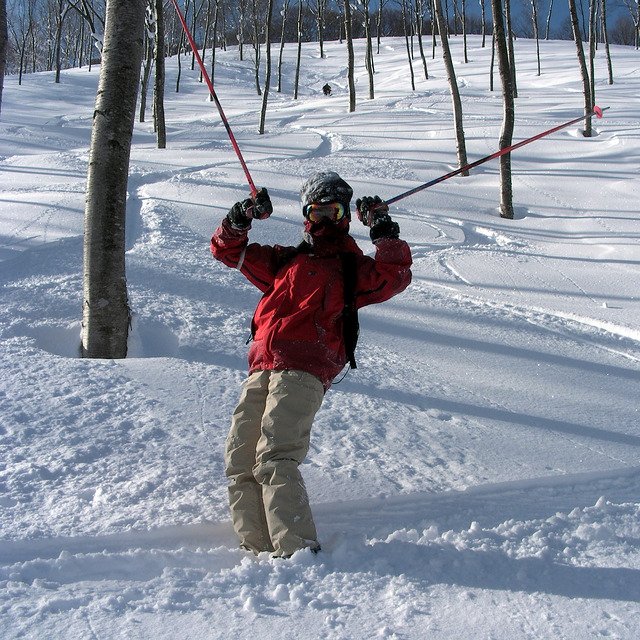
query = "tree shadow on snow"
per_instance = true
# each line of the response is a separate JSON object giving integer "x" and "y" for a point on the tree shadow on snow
{"x": 426, "y": 402}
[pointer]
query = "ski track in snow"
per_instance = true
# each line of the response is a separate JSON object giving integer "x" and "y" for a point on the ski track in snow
{"x": 476, "y": 477}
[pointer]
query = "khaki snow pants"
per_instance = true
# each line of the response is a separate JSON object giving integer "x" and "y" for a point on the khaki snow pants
{"x": 269, "y": 438}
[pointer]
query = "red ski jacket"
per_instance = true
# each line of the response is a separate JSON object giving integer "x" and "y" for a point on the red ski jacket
{"x": 298, "y": 322}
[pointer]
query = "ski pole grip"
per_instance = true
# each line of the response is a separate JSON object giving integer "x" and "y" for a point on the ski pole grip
{"x": 261, "y": 207}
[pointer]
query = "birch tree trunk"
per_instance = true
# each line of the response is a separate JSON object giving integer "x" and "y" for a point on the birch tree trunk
{"x": 257, "y": 23}
{"x": 105, "y": 309}
{"x": 61, "y": 14}
{"x": 158, "y": 86}
{"x": 320, "y": 13}
{"x": 146, "y": 68}
{"x": 453, "y": 87}
{"x": 536, "y": 35}
{"x": 586, "y": 83}
{"x": 4, "y": 40}
{"x": 419, "y": 17}
{"x": 546, "y": 34}
{"x": 214, "y": 44}
{"x": 510, "y": 48}
{"x": 350, "y": 56}
{"x": 406, "y": 39}
{"x": 464, "y": 31}
{"x": 605, "y": 35}
{"x": 592, "y": 48}
{"x": 285, "y": 10}
{"x": 506, "y": 135}
{"x": 369, "y": 63}
{"x": 267, "y": 79}
{"x": 493, "y": 60}
{"x": 299, "y": 52}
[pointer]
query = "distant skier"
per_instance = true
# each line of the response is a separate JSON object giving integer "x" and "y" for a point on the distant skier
{"x": 301, "y": 325}
{"x": 326, "y": 89}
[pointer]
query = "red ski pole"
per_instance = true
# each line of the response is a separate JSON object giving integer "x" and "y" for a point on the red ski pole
{"x": 205, "y": 75}
{"x": 597, "y": 111}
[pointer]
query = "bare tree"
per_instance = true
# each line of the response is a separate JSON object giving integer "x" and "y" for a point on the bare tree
{"x": 299, "y": 53}
{"x": 510, "y": 48}
{"x": 463, "y": 19}
{"x": 381, "y": 5}
{"x": 214, "y": 42}
{"x": 257, "y": 20}
{"x": 534, "y": 20}
{"x": 369, "y": 64}
{"x": 584, "y": 72}
{"x": 493, "y": 59}
{"x": 205, "y": 38}
{"x": 105, "y": 309}
{"x": 197, "y": 9}
{"x": 407, "y": 27}
{"x": 634, "y": 10}
{"x": 593, "y": 8}
{"x": 284, "y": 13}
{"x": 624, "y": 31}
{"x": 506, "y": 134}
{"x": 350, "y": 56}
{"x": 61, "y": 14}
{"x": 419, "y": 18}
{"x": 456, "y": 18}
{"x": 21, "y": 28}
{"x": 242, "y": 19}
{"x": 453, "y": 87}
{"x": 434, "y": 28}
{"x": 92, "y": 15}
{"x": 149, "y": 45}
{"x": 4, "y": 45}
{"x": 181, "y": 46}
{"x": 605, "y": 36}
{"x": 546, "y": 34}
{"x": 267, "y": 80}
{"x": 158, "y": 85}
{"x": 319, "y": 10}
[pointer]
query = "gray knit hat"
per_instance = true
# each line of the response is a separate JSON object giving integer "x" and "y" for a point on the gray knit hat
{"x": 326, "y": 186}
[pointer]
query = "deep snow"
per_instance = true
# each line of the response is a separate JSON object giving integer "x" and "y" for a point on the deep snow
{"x": 476, "y": 477}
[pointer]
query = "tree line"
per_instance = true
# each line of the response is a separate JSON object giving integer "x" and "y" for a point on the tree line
{"x": 48, "y": 35}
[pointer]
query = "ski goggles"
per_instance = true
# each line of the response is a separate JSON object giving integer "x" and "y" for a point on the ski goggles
{"x": 334, "y": 211}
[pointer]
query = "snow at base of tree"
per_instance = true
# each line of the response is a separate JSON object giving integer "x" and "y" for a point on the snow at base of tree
{"x": 476, "y": 477}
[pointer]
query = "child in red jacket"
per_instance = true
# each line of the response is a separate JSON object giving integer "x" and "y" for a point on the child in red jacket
{"x": 298, "y": 347}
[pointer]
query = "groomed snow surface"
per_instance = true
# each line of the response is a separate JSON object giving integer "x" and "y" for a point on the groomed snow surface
{"x": 476, "y": 477}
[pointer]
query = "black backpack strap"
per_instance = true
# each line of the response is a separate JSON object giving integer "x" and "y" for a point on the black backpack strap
{"x": 350, "y": 323}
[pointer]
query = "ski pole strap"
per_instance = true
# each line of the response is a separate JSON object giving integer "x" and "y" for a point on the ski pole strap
{"x": 597, "y": 111}
{"x": 350, "y": 323}
{"x": 205, "y": 75}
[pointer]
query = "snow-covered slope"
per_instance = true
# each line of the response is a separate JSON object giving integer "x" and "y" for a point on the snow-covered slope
{"x": 476, "y": 477}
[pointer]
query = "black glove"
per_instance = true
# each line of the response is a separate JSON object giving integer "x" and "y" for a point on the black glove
{"x": 374, "y": 213}
{"x": 384, "y": 227}
{"x": 237, "y": 215}
{"x": 369, "y": 208}
{"x": 262, "y": 205}
{"x": 242, "y": 213}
